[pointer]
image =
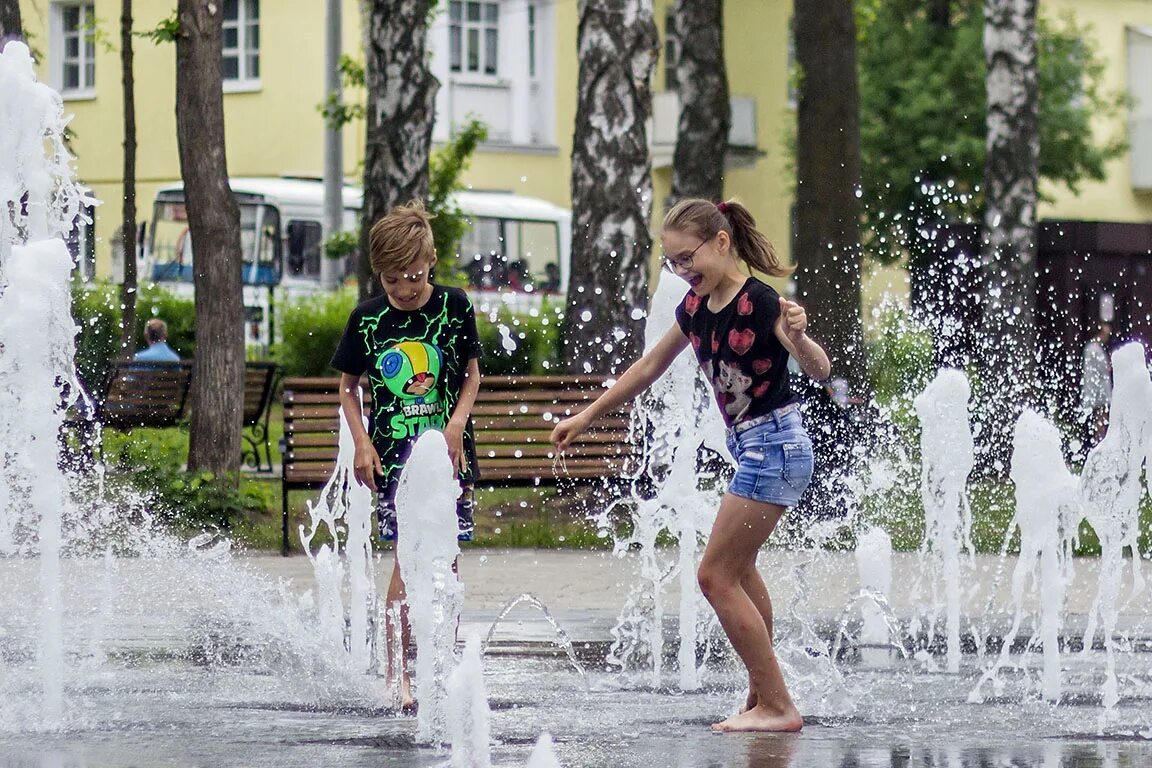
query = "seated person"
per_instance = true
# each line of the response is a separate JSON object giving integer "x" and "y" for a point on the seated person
{"x": 551, "y": 281}
{"x": 158, "y": 351}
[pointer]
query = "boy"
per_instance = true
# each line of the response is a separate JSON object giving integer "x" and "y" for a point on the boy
{"x": 419, "y": 346}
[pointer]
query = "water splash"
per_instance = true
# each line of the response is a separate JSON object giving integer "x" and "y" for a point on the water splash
{"x": 544, "y": 753}
{"x": 562, "y": 638}
{"x": 344, "y": 508}
{"x": 947, "y": 456}
{"x": 1110, "y": 495}
{"x": 427, "y": 548}
{"x": 469, "y": 716}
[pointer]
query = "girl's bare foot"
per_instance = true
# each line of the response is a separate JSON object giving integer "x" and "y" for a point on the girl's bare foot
{"x": 761, "y": 718}
{"x": 751, "y": 701}
{"x": 405, "y": 700}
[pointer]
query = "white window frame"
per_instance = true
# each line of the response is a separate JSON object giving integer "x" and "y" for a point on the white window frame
{"x": 488, "y": 25}
{"x": 85, "y": 60}
{"x": 244, "y": 23}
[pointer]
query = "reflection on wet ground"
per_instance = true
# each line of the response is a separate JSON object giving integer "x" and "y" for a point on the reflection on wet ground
{"x": 162, "y": 713}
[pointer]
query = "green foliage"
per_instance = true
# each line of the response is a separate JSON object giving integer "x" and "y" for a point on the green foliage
{"x": 312, "y": 328}
{"x": 165, "y": 32}
{"x": 900, "y": 360}
{"x": 338, "y": 114}
{"x": 520, "y": 344}
{"x": 445, "y": 166}
{"x": 923, "y": 110}
{"x": 151, "y": 462}
{"x": 96, "y": 310}
{"x": 341, "y": 244}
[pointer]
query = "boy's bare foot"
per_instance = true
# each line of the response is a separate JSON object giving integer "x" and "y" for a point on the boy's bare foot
{"x": 760, "y": 718}
{"x": 405, "y": 700}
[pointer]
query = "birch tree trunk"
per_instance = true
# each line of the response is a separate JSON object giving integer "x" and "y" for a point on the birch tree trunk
{"x": 827, "y": 243}
{"x": 214, "y": 223}
{"x": 705, "y": 111}
{"x": 11, "y": 27}
{"x": 128, "y": 222}
{"x": 1010, "y": 189}
{"x": 401, "y": 107}
{"x": 603, "y": 326}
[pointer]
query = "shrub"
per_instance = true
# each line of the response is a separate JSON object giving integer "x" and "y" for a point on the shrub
{"x": 520, "y": 343}
{"x": 96, "y": 310}
{"x": 311, "y": 329}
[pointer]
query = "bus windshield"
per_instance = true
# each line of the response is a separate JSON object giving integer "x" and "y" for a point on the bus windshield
{"x": 170, "y": 245}
{"x": 512, "y": 255}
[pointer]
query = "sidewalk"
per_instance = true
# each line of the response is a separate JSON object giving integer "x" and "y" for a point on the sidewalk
{"x": 584, "y": 591}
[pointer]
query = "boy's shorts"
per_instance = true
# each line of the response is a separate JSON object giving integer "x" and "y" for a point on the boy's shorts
{"x": 386, "y": 513}
{"x": 388, "y": 483}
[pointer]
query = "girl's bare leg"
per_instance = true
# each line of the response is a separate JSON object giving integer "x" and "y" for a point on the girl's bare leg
{"x": 397, "y": 596}
{"x": 741, "y": 527}
{"x": 754, "y": 585}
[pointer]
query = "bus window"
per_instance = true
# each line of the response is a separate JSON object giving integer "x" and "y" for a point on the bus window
{"x": 482, "y": 253}
{"x": 304, "y": 241}
{"x": 537, "y": 261}
{"x": 171, "y": 246}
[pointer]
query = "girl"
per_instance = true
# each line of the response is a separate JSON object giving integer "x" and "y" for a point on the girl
{"x": 742, "y": 332}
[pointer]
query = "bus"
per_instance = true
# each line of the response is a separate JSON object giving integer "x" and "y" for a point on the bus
{"x": 515, "y": 252}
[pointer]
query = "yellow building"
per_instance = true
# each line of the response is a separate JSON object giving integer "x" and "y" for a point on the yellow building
{"x": 512, "y": 62}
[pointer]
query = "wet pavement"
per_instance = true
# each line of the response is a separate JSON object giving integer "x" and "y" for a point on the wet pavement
{"x": 160, "y": 696}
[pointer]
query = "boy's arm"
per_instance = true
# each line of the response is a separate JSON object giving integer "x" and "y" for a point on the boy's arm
{"x": 468, "y": 392}
{"x": 367, "y": 462}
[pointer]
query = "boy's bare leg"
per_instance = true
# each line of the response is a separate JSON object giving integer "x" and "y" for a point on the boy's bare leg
{"x": 741, "y": 527}
{"x": 397, "y": 596}
{"x": 757, "y": 590}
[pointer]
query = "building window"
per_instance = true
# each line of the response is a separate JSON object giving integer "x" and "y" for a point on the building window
{"x": 792, "y": 92}
{"x": 241, "y": 41}
{"x": 671, "y": 50}
{"x": 77, "y": 40}
{"x": 473, "y": 36}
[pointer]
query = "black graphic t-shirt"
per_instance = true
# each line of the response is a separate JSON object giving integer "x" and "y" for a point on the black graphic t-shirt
{"x": 738, "y": 350}
{"x": 416, "y": 361}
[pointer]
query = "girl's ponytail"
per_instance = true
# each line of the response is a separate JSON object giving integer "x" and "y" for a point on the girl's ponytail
{"x": 751, "y": 244}
{"x": 705, "y": 220}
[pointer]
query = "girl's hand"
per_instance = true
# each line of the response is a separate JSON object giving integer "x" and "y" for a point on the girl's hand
{"x": 793, "y": 319}
{"x": 454, "y": 436}
{"x": 366, "y": 464}
{"x": 568, "y": 430}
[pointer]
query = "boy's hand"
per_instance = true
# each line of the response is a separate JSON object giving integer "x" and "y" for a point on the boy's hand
{"x": 793, "y": 320}
{"x": 366, "y": 464}
{"x": 454, "y": 436}
{"x": 568, "y": 430}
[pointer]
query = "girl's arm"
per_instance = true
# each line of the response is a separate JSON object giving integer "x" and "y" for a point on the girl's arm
{"x": 635, "y": 380}
{"x": 454, "y": 429}
{"x": 791, "y": 329}
{"x": 366, "y": 464}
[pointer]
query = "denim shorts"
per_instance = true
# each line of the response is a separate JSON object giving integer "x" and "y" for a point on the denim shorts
{"x": 773, "y": 460}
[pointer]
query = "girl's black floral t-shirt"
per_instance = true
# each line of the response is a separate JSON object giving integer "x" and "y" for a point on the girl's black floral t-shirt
{"x": 738, "y": 350}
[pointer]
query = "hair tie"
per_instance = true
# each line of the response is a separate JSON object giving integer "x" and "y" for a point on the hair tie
{"x": 722, "y": 207}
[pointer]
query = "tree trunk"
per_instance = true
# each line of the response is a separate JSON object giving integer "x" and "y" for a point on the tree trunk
{"x": 214, "y": 222}
{"x": 827, "y": 242}
{"x": 705, "y": 111}
{"x": 401, "y": 107}
{"x": 128, "y": 225}
{"x": 603, "y": 325}
{"x": 940, "y": 13}
{"x": 1011, "y": 170}
{"x": 11, "y": 27}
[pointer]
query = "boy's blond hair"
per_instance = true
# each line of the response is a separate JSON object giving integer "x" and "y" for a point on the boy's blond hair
{"x": 401, "y": 238}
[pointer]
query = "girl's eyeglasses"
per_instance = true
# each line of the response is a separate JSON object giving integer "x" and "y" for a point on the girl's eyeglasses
{"x": 681, "y": 262}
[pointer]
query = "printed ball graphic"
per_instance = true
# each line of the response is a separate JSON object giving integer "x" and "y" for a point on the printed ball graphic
{"x": 411, "y": 369}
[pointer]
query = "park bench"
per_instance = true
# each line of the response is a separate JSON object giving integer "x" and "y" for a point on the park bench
{"x": 513, "y": 418}
{"x": 153, "y": 394}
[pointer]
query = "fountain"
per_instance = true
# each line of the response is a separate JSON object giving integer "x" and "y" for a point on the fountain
{"x": 118, "y": 639}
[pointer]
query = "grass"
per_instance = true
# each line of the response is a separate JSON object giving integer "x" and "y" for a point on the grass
{"x": 547, "y": 518}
